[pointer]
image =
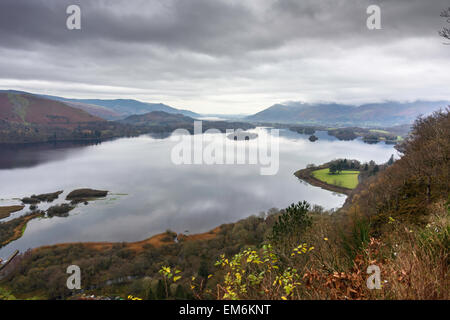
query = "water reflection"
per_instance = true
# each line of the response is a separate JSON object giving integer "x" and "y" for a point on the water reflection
{"x": 29, "y": 155}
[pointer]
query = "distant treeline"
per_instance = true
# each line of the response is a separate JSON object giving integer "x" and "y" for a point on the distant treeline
{"x": 14, "y": 133}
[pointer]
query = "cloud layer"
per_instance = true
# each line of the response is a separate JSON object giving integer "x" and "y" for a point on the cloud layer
{"x": 226, "y": 56}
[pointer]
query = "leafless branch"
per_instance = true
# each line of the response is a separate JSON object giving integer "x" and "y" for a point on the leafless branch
{"x": 445, "y": 32}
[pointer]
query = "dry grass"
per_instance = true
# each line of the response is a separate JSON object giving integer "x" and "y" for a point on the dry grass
{"x": 156, "y": 241}
{"x": 420, "y": 267}
{"x": 413, "y": 262}
{"x": 5, "y": 212}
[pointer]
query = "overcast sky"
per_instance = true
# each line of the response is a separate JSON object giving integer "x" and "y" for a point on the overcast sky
{"x": 226, "y": 56}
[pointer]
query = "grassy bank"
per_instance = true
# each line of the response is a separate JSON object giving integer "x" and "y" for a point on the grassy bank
{"x": 346, "y": 179}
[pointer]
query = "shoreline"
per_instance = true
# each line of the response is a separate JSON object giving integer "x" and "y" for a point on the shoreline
{"x": 306, "y": 175}
{"x": 20, "y": 228}
{"x": 162, "y": 239}
{"x": 157, "y": 240}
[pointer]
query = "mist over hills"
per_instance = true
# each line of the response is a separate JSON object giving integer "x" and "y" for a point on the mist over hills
{"x": 388, "y": 113}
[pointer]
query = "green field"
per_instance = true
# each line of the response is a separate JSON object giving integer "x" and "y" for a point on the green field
{"x": 347, "y": 179}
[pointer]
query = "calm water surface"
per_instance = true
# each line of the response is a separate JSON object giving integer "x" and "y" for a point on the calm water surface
{"x": 149, "y": 194}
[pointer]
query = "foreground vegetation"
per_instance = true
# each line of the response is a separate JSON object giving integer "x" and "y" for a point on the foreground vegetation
{"x": 397, "y": 218}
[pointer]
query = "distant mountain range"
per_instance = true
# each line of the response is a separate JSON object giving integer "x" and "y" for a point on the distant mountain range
{"x": 30, "y": 118}
{"x": 112, "y": 109}
{"x": 372, "y": 114}
{"x": 120, "y": 108}
{"x": 383, "y": 114}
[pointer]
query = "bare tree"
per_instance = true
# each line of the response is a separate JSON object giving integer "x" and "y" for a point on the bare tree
{"x": 445, "y": 32}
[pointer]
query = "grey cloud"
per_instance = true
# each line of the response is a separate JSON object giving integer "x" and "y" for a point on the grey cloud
{"x": 246, "y": 53}
{"x": 213, "y": 27}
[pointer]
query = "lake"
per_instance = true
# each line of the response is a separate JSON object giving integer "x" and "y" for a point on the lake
{"x": 150, "y": 194}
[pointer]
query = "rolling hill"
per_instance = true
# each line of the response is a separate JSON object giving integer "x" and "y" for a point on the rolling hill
{"x": 372, "y": 114}
{"x": 157, "y": 118}
{"x": 28, "y": 109}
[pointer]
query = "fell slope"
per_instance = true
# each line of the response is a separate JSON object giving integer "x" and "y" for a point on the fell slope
{"x": 30, "y": 109}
